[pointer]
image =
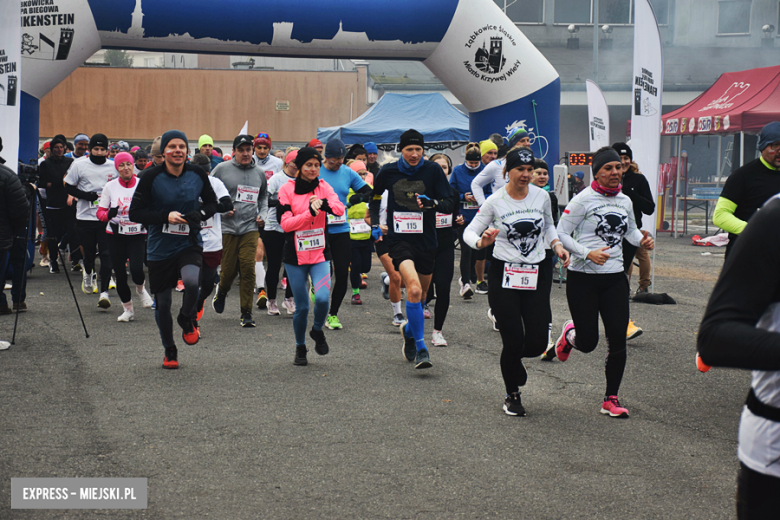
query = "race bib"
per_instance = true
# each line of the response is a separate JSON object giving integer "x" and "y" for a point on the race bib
{"x": 176, "y": 229}
{"x": 470, "y": 205}
{"x": 334, "y": 219}
{"x": 443, "y": 220}
{"x": 209, "y": 224}
{"x": 520, "y": 276}
{"x": 358, "y": 225}
{"x": 129, "y": 228}
{"x": 248, "y": 194}
{"x": 310, "y": 240}
{"x": 408, "y": 222}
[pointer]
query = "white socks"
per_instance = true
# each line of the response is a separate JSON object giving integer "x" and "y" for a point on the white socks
{"x": 396, "y": 307}
{"x": 259, "y": 275}
{"x": 139, "y": 289}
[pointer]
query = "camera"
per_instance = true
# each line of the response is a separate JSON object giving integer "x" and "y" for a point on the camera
{"x": 28, "y": 173}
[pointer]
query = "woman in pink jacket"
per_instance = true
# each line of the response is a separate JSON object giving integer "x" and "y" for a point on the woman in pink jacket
{"x": 303, "y": 204}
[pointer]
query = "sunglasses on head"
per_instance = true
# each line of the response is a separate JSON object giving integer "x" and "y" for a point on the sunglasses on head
{"x": 264, "y": 136}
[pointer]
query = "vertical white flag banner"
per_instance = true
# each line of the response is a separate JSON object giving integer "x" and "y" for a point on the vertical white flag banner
{"x": 10, "y": 79}
{"x": 598, "y": 116}
{"x": 648, "y": 90}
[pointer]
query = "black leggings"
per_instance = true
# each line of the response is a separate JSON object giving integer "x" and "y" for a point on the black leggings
{"x": 468, "y": 258}
{"x": 524, "y": 337}
{"x": 629, "y": 251}
{"x": 274, "y": 251}
{"x": 190, "y": 275}
{"x": 756, "y": 494}
{"x": 122, "y": 248}
{"x": 361, "y": 261}
{"x": 208, "y": 276}
{"x": 607, "y": 294}
{"x": 443, "y": 271}
{"x": 341, "y": 254}
{"x": 92, "y": 234}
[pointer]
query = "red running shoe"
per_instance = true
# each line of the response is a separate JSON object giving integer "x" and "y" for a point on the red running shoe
{"x": 189, "y": 330}
{"x": 700, "y": 364}
{"x": 179, "y": 286}
{"x": 356, "y": 300}
{"x": 611, "y": 406}
{"x": 562, "y": 347}
{"x": 171, "y": 359}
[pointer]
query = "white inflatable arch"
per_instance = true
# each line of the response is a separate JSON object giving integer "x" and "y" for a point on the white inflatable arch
{"x": 470, "y": 45}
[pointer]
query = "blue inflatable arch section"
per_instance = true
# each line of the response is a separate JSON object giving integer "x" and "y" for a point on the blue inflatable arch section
{"x": 470, "y": 45}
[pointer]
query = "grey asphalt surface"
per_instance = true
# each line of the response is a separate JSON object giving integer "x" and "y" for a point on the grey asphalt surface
{"x": 239, "y": 432}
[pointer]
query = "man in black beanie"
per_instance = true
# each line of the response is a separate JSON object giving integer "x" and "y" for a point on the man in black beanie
{"x": 417, "y": 190}
{"x": 59, "y": 217}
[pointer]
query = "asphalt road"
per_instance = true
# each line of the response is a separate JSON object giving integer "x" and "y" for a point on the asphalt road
{"x": 239, "y": 432}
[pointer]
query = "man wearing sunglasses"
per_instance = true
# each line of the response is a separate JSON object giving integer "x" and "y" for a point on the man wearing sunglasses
{"x": 750, "y": 186}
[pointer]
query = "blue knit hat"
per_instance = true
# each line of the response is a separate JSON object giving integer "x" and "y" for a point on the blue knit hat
{"x": 172, "y": 134}
{"x": 769, "y": 134}
{"x": 335, "y": 148}
{"x": 371, "y": 147}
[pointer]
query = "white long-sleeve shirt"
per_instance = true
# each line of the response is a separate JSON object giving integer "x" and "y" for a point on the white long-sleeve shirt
{"x": 593, "y": 221}
{"x": 525, "y": 227}
{"x": 492, "y": 174}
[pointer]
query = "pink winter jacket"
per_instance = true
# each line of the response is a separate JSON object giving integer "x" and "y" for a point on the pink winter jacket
{"x": 298, "y": 218}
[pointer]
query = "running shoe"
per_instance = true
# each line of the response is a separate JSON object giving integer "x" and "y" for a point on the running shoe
{"x": 146, "y": 299}
{"x": 21, "y": 307}
{"x": 94, "y": 283}
{"x": 482, "y": 288}
{"x": 513, "y": 406}
{"x": 409, "y": 348}
{"x": 200, "y": 311}
{"x": 492, "y": 319}
{"x": 154, "y": 303}
{"x": 171, "y": 359}
{"x": 356, "y": 300}
{"x": 333, "y": 323}
{"x": 549, "y": 353}
{"x": 398, "y": 320}
{"x": 320, "y": 345}
{"x": 422, "y": 359}
{"x": 363, "y": 275}
{"x": 246, "y": 320}
{"x": 465, "y": 291}
{"x": 426, "y": 311}
{"x": 300, "y": 356}
{"x": 4, "y": 345}
{"x": 86, "y": 283}
{"x": 218, "y": 303}
{"x": 104, "y": 302}
{"x": 44, "y": 261}
{"x": 284, "y": 284}
{"x": 289, "y": 304}
{"x": 180, "y": 285}
{"x": 5, "y": 309}
{"x": 77, "y": 267}
{"x": 262, "y": 299}
{"x": 126, "y": 316}
{"x": 562, "y": 346}
{"x": 701, "y": 365}
{"x": 437, "y": 339}
{"x": 189, "y": 332}
{"x": 611, "y": 406}
{"x": 633, "y": 331}
{"x": 363, "y": 284}
{"x": 54, "y": 268}
{"x": 385, "y": 287}
{"x": 112, "y": 283}
{"x": 273, "y": 308}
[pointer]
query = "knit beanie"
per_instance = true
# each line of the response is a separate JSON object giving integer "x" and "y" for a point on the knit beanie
{"x": 769, "y": 134}
{"x": 371, "y": 147}
{"x": 58, "y": 139}
{"x": 486, "y": 146}
{"x": 98, "y": 140}
{"x": 515, "y": 136}
{"x": 262, "y": 140}
{"x": 172, "y": 134}
{"x": 602, "y": 158}
{"x": 156, "y": 150}
{"x": 315, "y": 143}
{"x": 623, "y": 149}
{"x": 304, "y": 154}
{"x": 204, "y": 161}
{"x": 205, "y": 139}
{"x": 335, "y": 148}
{"x": 123, "y": 157}
{"x": 540, "y": 164}
{"x": 411, "y": 138}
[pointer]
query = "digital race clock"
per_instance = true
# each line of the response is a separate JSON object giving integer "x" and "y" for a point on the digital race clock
{"x": 579, "y": 158}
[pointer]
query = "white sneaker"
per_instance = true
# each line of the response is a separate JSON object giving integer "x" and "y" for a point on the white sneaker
{"x": 289, "y": 304}
{"x": 465, "y": 291}
{"x": 146, "y": 299}
{"x": 492, "y": 319}
{"x": 4, "y": 345}
{"x": 94, "y": 282}
{"x": 273, "y": 309}
{"x": 126, "y": 316}
{"x": 104, "y": 302}
{"x": 437, "y": 339}
{"x": 86, "y": 282}
{"x": 112, "y": 283}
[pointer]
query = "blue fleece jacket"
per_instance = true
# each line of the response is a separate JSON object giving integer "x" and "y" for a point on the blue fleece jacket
{"x": 460, "y": 180}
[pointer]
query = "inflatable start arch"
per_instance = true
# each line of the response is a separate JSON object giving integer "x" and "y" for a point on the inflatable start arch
{"x": 470, "y": 45}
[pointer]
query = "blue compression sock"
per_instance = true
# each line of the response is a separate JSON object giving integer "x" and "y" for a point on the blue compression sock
{"x": 414, "y": 313}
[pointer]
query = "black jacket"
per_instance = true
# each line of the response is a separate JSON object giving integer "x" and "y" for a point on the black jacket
{"x": 14, "y": 207}
{"x": 53, "y": 172}
{"x": 637, "y": 189}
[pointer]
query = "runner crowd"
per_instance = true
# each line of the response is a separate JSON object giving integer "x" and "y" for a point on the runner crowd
{"x": 307, "y": 222}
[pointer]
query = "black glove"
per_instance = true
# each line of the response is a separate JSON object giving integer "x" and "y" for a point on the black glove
{"x": 112, "y": 212}
{"x": 91, "y": 196}
{"x": 326, "y": 206}
{"x": 427, "y": 202}
{"x": 355, "y": 199}
{"x": 195, "y": 215}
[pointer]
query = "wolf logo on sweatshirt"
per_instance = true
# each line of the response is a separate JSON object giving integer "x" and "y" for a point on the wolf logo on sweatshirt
{"x": 524, "y": 233}
{"x": 611, "y": 228}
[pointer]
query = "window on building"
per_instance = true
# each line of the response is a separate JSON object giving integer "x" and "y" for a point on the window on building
{"x": 734, "y": 17}
{"x": 614, "y": 11}
{"x": 610, "y": 11}
{"x": 523, "y": 11}
{"x": 661, "y": 8}
{"x": 149, "y": 63}
{"x": 572, "y": 11}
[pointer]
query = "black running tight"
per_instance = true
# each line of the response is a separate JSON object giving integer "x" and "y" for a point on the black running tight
{"x": 122, "y": 248}
{"x": 441, "y": 281}
{"x": 591, "y": 295}
{"x": 190, "y": 275}
{"x": 522, "y": 319}
{"x": 341, "y": 254}
{"x": 274, "y": 251}
{"x": 93, "y": 239}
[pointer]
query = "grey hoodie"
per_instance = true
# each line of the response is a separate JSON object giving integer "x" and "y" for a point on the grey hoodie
{"x": 251, "y": 179}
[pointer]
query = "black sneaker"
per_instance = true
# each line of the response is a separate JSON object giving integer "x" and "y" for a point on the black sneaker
{"x": 423, "y": 359}
{"x": 54, "y": 268}
{"x": 218, "y": 303}
{"x": 300, "y": 356}
{"x": 246, "y": 320}
{"x": 320, "y": 345}
{"x": 513, "y": 406}
{"x": 410, "y": 346}
{"x": 482, "y": 288}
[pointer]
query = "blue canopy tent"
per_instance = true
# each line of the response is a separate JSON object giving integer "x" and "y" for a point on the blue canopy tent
{"x": 442, "y": 125}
